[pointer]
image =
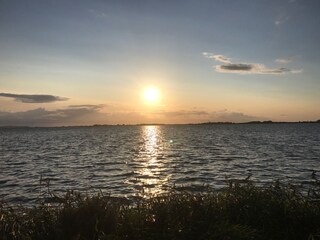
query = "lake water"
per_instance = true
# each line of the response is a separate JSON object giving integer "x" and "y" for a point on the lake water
{"x": 132, "y": 160}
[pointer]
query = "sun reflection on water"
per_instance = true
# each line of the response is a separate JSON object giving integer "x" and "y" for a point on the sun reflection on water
{"x": 151, "y": 175}
{"x": 151, "y": 136}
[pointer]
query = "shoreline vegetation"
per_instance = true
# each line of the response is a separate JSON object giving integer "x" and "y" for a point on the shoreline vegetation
{"x": 242, "y": 210}
{"x": 165, "y": 124}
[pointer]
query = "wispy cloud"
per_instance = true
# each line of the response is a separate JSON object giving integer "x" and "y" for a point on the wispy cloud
{"x": 283, "y": 60}
{"x": 285, "y": 11}
{"x": 217, "y": 57}
{"x": 245, "y": 68}
{"x": 286, "y": 60}
{"x": 281, "y": 19}
{"x": 90, "y": 106}
{"x": 181, "y": 113}
{"x": 33, "y": 98}
{"x": 97, "y": 13}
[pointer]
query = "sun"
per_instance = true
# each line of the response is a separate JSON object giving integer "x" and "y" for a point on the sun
{"x": 151, "y": 94}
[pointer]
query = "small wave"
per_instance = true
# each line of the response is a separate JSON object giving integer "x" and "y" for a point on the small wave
{"x": 3, "y": 181}
{"x": 173, "y": 155}
{"x": 128, "y": 174}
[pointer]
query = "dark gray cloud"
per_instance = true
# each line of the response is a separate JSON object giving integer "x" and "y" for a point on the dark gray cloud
{"x": 33, "y": 98}
{"x": 72, "y": 115}
{"x": 252, "y": 68}
{"x": 43, "y": 117}
{"x": 246, "y": 68}
{"x": 236, "y": 67}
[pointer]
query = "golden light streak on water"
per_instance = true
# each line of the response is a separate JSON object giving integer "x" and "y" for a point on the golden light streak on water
{"x": 151, "y": 178}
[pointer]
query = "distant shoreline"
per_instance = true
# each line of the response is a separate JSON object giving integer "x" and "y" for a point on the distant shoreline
{"x": 166, "y": 124}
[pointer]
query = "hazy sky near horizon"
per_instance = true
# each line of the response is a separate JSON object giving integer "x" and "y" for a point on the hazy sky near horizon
{"x": 68, "y": 62}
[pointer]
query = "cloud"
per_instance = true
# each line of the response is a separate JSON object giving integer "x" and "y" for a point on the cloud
{"x": 235, "y": 117}
{"x": 281, "y": 20}
{"x": 59, "y": 117}
{"x": 285, "y": 11}
{"x": 286, "y": 60}
{"x": 181, "y": 113}
{"x": 33, "y": 98}
{"x": 252, "y": 68}
{"x": 97, "y": 14}
{"x": 246, "y": 68}
{"x": 92, "y": 106}
{"x": 282, "y": 60}
{"x": 73, "y": 115}
{"x": 189, "y": 116}
{"x": 93, "y": 114}
{"x": 235, "y": 67}
{"x": 219, "y": 58}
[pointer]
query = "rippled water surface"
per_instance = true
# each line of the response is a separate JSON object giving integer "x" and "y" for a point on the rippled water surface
{"x": 130, "y": 160}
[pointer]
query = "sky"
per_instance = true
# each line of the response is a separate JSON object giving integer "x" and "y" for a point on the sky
{"x": 81, "y": 62}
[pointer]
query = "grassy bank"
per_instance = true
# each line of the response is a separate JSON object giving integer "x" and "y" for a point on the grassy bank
{"x": 240, "y": 211}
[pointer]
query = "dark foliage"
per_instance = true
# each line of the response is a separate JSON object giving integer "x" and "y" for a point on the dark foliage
{"x": 240, "y": 211}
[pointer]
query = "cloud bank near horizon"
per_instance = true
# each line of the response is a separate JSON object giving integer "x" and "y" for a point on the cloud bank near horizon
{"x": 236, "y": 117}
{"x": 92, "y": 114}
{"x": 182, "y": 113}
{"x": 246, "y": 68}
{"x": 206, "y": 116}
{"x": 33, "y": 98}
{"x": 41, "y": 117}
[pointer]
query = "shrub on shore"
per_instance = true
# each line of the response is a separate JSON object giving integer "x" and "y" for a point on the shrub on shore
{"x": 240, "y": 211}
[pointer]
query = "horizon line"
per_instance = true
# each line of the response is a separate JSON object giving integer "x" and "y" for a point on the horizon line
{"x": 157, "y": 124}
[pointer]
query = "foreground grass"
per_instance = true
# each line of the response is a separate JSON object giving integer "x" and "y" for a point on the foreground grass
{"x": 241, "y": 211}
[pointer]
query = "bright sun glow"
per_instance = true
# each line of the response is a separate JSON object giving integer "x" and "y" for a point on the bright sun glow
{"x": 151, "y": 94}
